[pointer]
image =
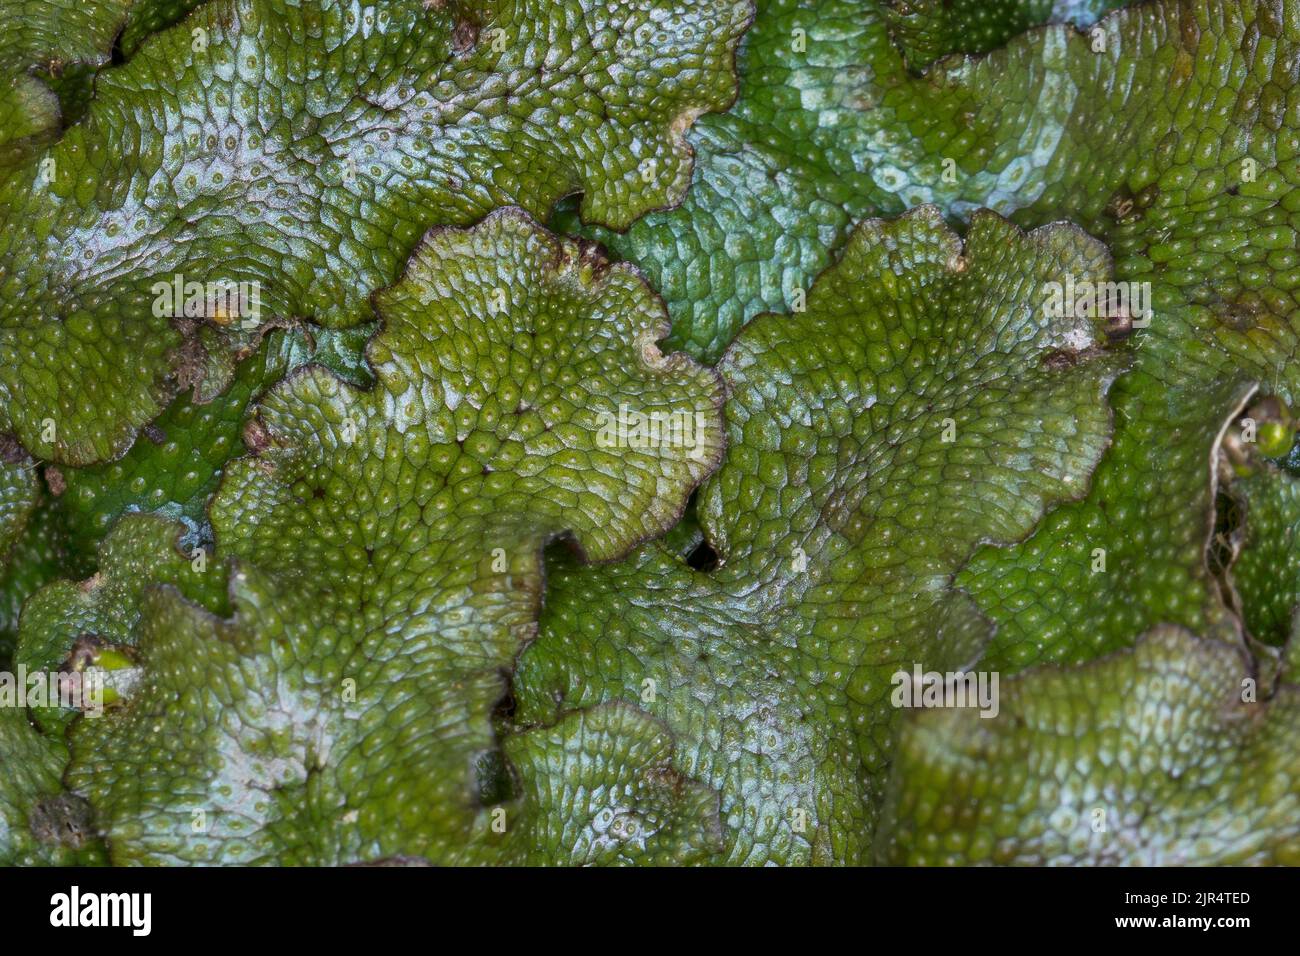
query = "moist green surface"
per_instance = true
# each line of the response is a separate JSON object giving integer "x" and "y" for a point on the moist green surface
{"x": 447, "y": 555}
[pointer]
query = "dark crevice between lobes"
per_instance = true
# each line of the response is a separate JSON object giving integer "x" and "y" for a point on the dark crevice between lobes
{"x": 495, "y": 780}
{"x": 703, "y": 558}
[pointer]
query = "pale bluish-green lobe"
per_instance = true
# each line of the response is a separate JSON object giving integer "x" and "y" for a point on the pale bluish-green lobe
{"x": 830, "y": 127}
{"x": 921, "y": 405}
{"x": 388, "y": 545}
{"x": 305, "y": 147}
{"x": 1163, "y": 754}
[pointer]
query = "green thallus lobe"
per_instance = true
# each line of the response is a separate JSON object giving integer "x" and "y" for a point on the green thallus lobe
{"x": 664, "y": 714}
